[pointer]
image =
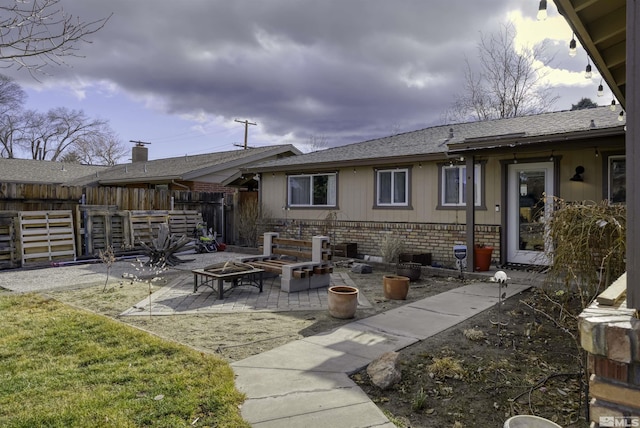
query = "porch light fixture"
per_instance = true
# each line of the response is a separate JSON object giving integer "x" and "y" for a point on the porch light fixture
{"x": 600, "y": 89}
{"x": 612, "y": 107}
{"x": 621, "y": 116}
{"x": 515, "y": 160}
{"x": 551, "y": 157}
{"x": 578, "y": 175}
{"x": 587, "y": 70}
{"x": 542, "y": 10}
{"x": 597, "y": 152}
{"x": 573, "y": 50}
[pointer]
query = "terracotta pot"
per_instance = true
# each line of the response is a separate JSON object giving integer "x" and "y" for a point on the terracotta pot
{"x": 529, "y": 421}
{"x": 395, "y": 287}
{"x": 343, "y": 301}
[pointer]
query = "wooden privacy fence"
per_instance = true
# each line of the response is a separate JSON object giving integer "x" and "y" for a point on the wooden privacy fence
{"x": 47, "y": 197}
{"x": 30, "y": 238}
{"x": 102, "y": 216}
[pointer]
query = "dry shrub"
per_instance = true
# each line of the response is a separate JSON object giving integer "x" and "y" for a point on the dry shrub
{"x": 446, "y": 367}
{"x": 589, "y": 246}
{"x": 390, "y": 248}
{"x": 474, "y": 334}
{"x": 250, "y": 216}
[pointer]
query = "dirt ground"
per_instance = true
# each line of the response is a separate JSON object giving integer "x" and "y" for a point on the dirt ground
{"x": 513, "y": 359}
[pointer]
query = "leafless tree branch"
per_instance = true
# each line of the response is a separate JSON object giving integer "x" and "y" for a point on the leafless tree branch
{"x": 37, "y": 33}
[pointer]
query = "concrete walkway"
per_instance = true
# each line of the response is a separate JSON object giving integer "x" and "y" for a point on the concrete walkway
{"x": 305, "y": 383}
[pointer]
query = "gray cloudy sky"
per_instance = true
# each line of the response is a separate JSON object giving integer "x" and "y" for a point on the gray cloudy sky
{"x": 178, "y": 73}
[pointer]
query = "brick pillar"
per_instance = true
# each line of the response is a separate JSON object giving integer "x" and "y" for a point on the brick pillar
{"x": 611, "y": 337}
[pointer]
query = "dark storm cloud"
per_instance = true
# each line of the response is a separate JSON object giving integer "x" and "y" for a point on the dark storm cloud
{"x": 345, "y": 69}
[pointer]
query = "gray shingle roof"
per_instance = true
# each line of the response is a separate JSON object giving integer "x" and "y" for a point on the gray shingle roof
{"x": 435, "y": 140}
{"x": 36, "y": 171}
{"x": 183, "y": 167}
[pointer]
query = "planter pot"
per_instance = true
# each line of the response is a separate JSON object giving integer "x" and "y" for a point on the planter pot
{"x": 395, "y": 287}
{"x": 422, "y": 258}
{"x": 482, "y": 257}
{"x": 342, "y": 301}
{"x": 529, "y": 421}
{"x": 410, "y": 270}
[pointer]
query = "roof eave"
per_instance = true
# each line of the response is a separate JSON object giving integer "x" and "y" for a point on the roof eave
{"x": 132, "y": 180}
{"x": 405, "y": 159}
{"x": 238, "y": 163}
{"x": 539, "y": 139}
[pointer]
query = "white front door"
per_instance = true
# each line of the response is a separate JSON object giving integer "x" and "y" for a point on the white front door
{"x": 530, "y": 203}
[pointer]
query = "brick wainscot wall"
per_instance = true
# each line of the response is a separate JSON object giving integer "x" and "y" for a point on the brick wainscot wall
{"x": 435, "y": 238}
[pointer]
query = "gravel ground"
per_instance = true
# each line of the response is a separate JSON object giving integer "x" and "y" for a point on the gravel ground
{"x": 83, "y": 274}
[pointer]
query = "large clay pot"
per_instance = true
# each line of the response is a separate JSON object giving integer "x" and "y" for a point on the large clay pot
{"x": 529, "y": 421}
{"x": 395, "y": 287}
{"x": 342, "y": 301}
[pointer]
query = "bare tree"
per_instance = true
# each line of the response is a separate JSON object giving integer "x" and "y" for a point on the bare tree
{"x": 49, "y": 136}
{"x": 36, "y": 33}
{"x": 316, "y": 143}
{"x": 508, "y": 83}
{"x": 12, "y": 96}
{"x": 98, "y": 148}
{"x": 11, "y": 127}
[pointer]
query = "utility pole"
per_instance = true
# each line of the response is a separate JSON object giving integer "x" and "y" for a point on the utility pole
{"x": 246, "y": 130}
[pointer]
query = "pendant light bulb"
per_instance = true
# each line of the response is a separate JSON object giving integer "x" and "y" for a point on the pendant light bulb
{"x": 612, "y": 107}
{"x": 587, "y": 72}
{"x": 542, "y": 10}
{"x": 573, "y": 50}
{"x": 600, "y": 89}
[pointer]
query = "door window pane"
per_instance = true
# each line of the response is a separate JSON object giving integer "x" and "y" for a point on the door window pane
{"x": 617, "y": 179}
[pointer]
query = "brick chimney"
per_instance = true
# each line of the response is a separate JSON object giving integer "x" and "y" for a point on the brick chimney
{"x": 139, "y": 153}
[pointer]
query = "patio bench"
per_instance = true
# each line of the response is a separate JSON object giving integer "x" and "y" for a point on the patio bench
{"x": 311, "y": 268}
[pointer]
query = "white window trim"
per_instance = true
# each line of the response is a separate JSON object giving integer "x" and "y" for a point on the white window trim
{"x": 406, "y": 187}
{"x": 332, "y": 192}
{"x": 478, "y": 186}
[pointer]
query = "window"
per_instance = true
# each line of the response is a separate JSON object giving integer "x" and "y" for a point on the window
{"x": 312, "y": 190}
{"x": 617, "y": 180}
{"x": 453, "y": 189}
{"x": 392, "y": 187}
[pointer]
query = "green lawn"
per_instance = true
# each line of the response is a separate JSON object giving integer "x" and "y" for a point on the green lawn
{"x": 62, "y": 367}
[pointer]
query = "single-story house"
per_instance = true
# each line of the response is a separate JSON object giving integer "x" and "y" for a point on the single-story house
{"x": 44, "y": 172}
{"x": 416, "y": 185}
{"x": 210, "y": 172}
